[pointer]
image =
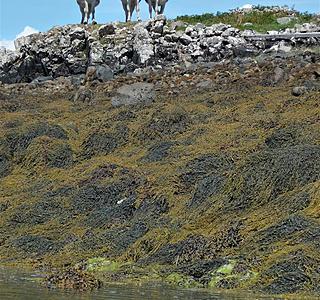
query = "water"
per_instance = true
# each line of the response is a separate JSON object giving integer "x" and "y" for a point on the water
{"x": 17, "y": 284}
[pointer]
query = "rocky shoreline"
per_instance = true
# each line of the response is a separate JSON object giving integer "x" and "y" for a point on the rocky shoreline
{"x": 116, "y": 49}
{"x": 151, "y": 153}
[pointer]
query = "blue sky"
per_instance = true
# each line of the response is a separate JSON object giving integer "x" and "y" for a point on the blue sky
{"x": 15, "y": 15}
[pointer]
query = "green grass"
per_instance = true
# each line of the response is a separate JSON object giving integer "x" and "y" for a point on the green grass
{"x": 262, "y": 21}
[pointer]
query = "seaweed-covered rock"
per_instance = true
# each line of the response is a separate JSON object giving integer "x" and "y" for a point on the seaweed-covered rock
{"x": 191, "y": 249}
{"x": 158, "y": 152}
{"x": 163, "y": 125}
{"x": 104, "y": 142}
{"x": 38, "y": 213}
{"x": 5, "y": 165}
{"x": 75, "y": 278}
{"x": 123, "y": 237}
{"x": 36, "y": 245}
{"x": 16, "y": 142}
{"x": 48, "y": 152}
{"x": 292, "y": 273}
{"x": 285, "y": 229}
{"x": 206, "y": 164}
{"x": 268, "y": 174}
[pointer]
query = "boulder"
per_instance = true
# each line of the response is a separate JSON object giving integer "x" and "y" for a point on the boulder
{"x": 134, "y": 94}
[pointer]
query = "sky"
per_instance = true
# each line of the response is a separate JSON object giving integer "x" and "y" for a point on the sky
{"x": 22, "y": 17}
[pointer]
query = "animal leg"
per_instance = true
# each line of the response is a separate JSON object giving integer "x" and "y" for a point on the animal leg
{"x": 93, "y": 16}
{"x": 162, "y": 9}
{"x": 157, "y": 7}
{"x": 138, "y": 10}
{"x": 129, "y": 12}
{"x": 86, "y": 12}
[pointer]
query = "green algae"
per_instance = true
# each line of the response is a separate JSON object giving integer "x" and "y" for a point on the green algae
{"x": 100, "y": 264}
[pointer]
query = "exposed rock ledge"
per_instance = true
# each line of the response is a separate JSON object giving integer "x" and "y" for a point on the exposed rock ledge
{"x": 70, "y": 50}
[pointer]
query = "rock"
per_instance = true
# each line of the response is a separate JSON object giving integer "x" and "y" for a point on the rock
{"x": 177, "y": 24}
{"x": 281, "y": 47}
{"x": 142, "y": 45}
{"x": 42, "y": 79}
{"x": 279, "y": 74}
{"x": 106, "y": 30}
{"x": 84, "y": 94}
{"x": 186, "y": 39}
{"x": 102, "y": 73}
{"x": 285, "y": 20}
{"x": 299, "y": 91}
{"x": 134, "y": 94}
{"x": 205, "y": 84}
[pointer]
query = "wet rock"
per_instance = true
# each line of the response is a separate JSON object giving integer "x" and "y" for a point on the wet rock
{"x": 134, "y": 94}
{"x": 279, "y": 74}
{"x": 299, "y": 91}
{"x": 84, "y": 94}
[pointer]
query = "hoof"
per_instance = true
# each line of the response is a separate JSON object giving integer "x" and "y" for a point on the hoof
{"x": 94, "y": 22}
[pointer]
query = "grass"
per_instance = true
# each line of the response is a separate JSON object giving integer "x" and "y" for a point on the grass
{"x": 262, "y": 21}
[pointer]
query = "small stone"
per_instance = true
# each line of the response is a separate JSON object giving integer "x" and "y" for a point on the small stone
{"x": 298, "y": 90}
{"x": 105, "y": 30}
{"x": 186, "y": 39}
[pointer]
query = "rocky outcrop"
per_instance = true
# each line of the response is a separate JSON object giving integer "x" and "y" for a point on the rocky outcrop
{"x": 113, "y": 49}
